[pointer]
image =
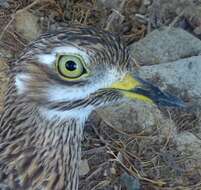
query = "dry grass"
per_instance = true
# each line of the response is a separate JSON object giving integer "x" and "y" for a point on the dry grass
{"x": 150, "y": 157}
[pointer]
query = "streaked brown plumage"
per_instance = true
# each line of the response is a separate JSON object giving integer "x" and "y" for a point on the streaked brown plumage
{"x": 37, "y": 153}
{"x": 42, "y": 123}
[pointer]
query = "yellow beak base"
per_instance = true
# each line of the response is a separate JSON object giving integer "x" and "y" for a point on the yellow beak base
{"x": 126, "y": 85}
{"x": 138, "y": 89}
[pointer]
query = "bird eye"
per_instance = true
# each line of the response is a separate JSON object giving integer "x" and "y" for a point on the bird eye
{"x": 70, "y": 66}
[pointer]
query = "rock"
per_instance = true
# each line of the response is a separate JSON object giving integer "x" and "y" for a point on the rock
{"x": 165, "y": 45}
{"x": 146, "y": 2}
{"x": 183, "y": 75}
{"x": 4, "y": 4}
{"x": 197, "y": 30}
{"x": 112, "y": 4}
{"x": 4, "y": 186}
{"x": 84, "y": 167}
{"x": 130, "y": 182}
{"x": 134, "y": 117}
{"x": 189, "y": 144}
{"x": 128, "y": 118}
{"x": 28, "y": 25}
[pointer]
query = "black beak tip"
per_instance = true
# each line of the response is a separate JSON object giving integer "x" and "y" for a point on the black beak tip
{"x": 167, "y": 100}
{"x": 160, "y": 98}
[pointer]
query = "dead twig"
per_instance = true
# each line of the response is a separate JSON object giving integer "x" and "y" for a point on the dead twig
{"x": 16, "y": 38}
{"x": 176, "y": 20}
{"x": 6, "y": 27}
{"x": 93, "y": 151}
{"x": 115, "y": 15}
{"x": 98, "y": 170}
{"x": 134, "y": 172}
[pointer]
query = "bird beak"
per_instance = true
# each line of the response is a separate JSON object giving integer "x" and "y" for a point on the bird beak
{"x": 138, "y": 89}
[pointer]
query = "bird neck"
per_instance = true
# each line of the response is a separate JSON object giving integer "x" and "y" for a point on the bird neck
{"x": 62, "y": 142}
{"x": 45, "y": 154}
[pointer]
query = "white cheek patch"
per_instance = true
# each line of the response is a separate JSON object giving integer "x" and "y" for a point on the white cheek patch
{"x": 49, "y": 59}
{"x": 20, "y": 82}
{"x": 72, "y": 93}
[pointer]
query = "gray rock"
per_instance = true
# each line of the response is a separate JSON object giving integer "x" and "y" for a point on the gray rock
{"x": 146, "y": 2}
{"x": 4, "y": 4}
{"x": 130, "y": 182}
{"x": 165, "y": 45}
{"x": 84, "y": 167}
{"x": 134, "y": 117}
{"x": 4, "y": 187}
{"x": 112, "y": 4}
{"x": 184, "y": 75}
{"x": 28, "y": 25}
{"x": 129, "y": 117}
{"x": 189, "y": 144}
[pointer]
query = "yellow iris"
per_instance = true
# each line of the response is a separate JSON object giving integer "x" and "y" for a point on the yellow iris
{"x": 70, "y": 67}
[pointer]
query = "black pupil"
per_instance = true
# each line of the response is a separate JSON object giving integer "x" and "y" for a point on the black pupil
{"x": 71, "y": 65}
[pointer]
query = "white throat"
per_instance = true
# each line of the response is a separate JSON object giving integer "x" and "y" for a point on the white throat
{"x": 79, "y": 115}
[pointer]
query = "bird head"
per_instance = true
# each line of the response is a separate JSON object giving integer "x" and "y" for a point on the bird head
{"x": 69, "y": 73}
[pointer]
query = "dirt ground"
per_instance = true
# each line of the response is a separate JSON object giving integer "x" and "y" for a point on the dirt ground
{"x": 117, "y": 160}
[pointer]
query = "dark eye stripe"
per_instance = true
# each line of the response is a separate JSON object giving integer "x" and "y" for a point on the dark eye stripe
{"x": 95, "y": 99}
{"x": 54, "y": 76}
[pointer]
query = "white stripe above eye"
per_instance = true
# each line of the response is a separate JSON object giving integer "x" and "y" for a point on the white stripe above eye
{"x": 49, "y": 59}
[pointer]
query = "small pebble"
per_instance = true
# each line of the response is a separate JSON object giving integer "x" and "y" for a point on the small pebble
{"x": 84, "y": 167}
{"x": 146, "y": 2}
